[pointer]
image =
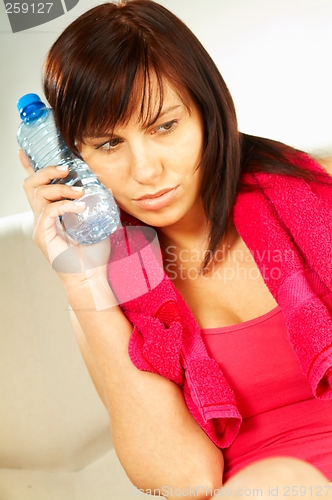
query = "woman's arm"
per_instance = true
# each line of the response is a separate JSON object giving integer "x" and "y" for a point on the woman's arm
{"x": 157, "y": 440}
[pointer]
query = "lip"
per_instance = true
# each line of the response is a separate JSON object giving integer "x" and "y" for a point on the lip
{"x": 157, "y": 200}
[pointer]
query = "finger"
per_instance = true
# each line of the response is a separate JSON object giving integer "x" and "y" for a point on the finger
{"x": 43, "y": 177}
{"x": 58, "y": 192}
{"x": 48, "y": 235}
{"x": 44, "y": 195}
{"x": 46, "y": 175}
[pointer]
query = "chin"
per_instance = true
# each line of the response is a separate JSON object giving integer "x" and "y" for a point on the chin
{"x": 164, "y": 217}
{"x": 158, "y": 219}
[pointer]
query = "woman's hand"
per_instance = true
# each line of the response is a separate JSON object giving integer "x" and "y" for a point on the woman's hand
{"x": 48, "y": 202}
{"x": 75, "y": 264}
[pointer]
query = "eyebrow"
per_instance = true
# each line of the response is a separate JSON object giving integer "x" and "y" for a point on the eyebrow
{"x": 165, "y": 111}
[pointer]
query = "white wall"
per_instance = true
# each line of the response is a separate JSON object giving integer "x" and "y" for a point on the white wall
{"x": 275, "y": 56}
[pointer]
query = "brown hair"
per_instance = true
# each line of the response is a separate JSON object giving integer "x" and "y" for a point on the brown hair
{"x": 99, "y": 71}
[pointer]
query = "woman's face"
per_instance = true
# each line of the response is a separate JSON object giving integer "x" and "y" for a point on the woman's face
{"x": 152, "y": 169}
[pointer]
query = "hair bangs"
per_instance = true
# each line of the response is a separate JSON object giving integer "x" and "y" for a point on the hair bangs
{"x": 137, "y": 96}
{"x": 95, "y": 91}
{"x": 119, "y": 75}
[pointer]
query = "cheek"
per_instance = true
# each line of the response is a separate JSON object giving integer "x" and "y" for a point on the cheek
{"x": 108, "y": 174}
{"x": 190, "y": 155}
{"x": 117, "y": 182}
{"x": 117, "y": 185}
{"x": 192, "y": 143}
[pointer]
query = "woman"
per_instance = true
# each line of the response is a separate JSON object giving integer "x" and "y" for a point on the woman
{"x": 138, "y": 98}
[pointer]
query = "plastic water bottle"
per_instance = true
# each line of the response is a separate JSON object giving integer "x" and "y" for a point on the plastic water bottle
{"x": 41, "y": 141}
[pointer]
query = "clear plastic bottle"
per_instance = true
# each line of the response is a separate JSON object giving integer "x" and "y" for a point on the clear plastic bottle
{"x": 40, "y": 139}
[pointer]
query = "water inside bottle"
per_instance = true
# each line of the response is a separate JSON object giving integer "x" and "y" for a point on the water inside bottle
{"x": 96, "y": 222}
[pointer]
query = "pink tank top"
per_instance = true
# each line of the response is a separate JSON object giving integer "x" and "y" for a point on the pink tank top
{"x": 281, "y": 417}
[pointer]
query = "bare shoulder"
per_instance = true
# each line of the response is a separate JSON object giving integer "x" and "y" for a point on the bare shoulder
{"x": 326, "y": 163}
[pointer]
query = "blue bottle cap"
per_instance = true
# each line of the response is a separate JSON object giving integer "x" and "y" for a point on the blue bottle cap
{"x": 26, "y": 100}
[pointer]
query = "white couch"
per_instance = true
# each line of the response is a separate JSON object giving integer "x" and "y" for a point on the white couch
{"x": 55, "y": 439}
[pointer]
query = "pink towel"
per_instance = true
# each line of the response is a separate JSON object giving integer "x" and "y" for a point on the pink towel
{"x": 287, "y": 225}
{"x": 166, "y": 338}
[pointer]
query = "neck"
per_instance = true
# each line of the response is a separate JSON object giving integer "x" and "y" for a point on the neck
{"x": 188, "y": 233}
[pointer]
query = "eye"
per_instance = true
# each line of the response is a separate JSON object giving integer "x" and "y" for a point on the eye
{"x": 109, "y": 145}
{"x": 167, "y": 127}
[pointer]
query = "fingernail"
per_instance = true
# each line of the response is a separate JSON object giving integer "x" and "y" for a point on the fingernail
{"x": 77, "y": 188}
{"x": 79, "y": 203}
{"x": 62, "y": 167}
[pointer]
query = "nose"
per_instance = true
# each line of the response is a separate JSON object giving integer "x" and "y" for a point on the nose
{"x": 145, "y": 164}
